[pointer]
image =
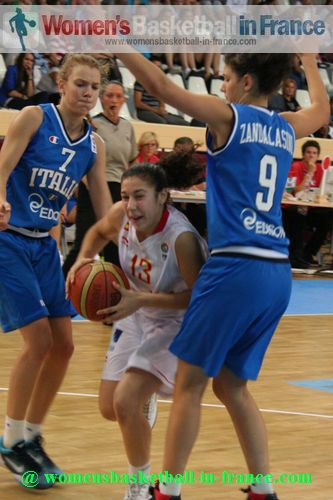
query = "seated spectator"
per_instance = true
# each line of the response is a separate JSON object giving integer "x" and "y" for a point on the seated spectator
{"x": 18, "y": 88}
{"x": 151, "y": 109}
{"x": 184, "y": 145}
{"x": 324, "y": 132}
{"x": 303, "y": 175}
{"x": 148, "y": 146}
{"x": 285, "y": 101}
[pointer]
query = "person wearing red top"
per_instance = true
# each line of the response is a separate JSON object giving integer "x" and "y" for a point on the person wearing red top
{"x": 305, "y": 174}
{"x": 148, "y": 145}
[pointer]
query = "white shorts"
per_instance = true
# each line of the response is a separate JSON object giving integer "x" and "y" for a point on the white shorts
{"x": 141, "y": 342}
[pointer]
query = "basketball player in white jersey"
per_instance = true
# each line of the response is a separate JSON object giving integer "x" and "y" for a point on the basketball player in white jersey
{"x": 161, "y": 254}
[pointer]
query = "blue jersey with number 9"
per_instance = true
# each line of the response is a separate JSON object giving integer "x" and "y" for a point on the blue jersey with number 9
{"x": 48, "y": 172}
{"x": 245, "y": 182}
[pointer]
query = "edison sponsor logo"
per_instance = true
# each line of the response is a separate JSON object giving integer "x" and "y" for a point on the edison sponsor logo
{"x": 59, "y": 25}
{"x": 36, "y": 204}
{"x": 252, "y": 223}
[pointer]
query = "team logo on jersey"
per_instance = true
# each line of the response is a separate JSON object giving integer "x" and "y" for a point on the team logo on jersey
{"x": 126, "y": 227}
{"x": 54, "y": 139}
{"x": 165, "y": 249}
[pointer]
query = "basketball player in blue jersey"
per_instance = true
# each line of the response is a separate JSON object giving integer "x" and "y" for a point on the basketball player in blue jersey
{"x": 244, "y": 288}
{"x": 46, "y": 152}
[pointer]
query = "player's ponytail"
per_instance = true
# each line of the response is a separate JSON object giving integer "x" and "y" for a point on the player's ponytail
{"x": 174, "y": 171}
{"x": 182, "y": 170}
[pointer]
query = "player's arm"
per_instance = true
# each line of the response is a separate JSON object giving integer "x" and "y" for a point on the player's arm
{"x": 95, "y": 239}
{"x": 208, "y": 109}
{"x": 98, "y": 189}
{"x": 17, "y": 139}
{"x": 190, "y": 260}
{"x": 308, "y": 120}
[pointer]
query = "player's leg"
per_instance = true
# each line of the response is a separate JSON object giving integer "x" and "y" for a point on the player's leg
{"x": 37, "y": 343}
{"x": 232, "y": 391}
{"x": 184, "y": 423}
{"x": 47, "y": 384}
{"x": 53, "y": 369}
{"x": 106, "y": 399}
{"x": 132, "y": 392}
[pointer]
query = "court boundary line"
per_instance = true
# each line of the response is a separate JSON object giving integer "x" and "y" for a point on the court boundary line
{"x": 205, "y": 405}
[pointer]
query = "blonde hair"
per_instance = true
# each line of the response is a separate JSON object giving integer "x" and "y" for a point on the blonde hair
{"x": 76, "y": 60}
{"x": 146, "y": 137}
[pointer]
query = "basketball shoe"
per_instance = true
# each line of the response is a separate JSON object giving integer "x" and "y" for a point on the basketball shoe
{"x": 19, "y": 462}
{"x": 259, "y": 496}
{"x": 157, "y": 495}
{"x": 36, "y": 451}
{"x": 150, "y": 410}
{"x": 138, "y": 492}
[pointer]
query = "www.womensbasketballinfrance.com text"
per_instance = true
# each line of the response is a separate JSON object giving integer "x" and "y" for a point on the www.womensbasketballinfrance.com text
{"x": 174, "y": 41}
{"x": 30, "y": 479}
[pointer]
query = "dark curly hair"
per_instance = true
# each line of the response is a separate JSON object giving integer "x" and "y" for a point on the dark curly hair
{"x": 175, "y": 170}
{"x": 268, "y": 69}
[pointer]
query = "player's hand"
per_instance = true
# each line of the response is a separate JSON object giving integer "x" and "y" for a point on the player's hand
{"x": 71, "y": 273}
{"x": 5, "y": 210}
{"x": 128, "y": 304}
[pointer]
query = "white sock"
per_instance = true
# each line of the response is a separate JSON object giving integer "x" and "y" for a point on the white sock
{"x": 262, "y": 488}
{"x": 13, "y": 432}
{"x": 144, "y": 469}
{"x": 172, "y": 489}
{"x": 31, "y": 430}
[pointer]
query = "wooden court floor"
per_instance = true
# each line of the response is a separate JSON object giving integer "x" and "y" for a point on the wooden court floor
{"x": 299, "y": 420}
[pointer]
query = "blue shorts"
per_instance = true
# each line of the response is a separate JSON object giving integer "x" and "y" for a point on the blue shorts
{"x": 31, "y": 281}
{"x": 235, "y": 307}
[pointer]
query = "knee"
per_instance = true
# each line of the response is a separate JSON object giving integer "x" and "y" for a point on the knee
{"x": 230, "y": 395}
{"x": 39, "y": 350}
{"x": 124, "y": 408}
{"x": 107, "y": 410}
{"x": 64, "y": 350}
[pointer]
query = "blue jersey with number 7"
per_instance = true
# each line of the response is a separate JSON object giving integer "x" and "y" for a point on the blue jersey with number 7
{"x": 48, "y": 172}
{"x": 245, "y": 183}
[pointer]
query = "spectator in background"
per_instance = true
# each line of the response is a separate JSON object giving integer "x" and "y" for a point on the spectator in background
{"x": 148, "y": 146}
{"x": 151, "y": 109}
{"x": 305, "y": 174}
{"x": 285, "y": 101}
{"x": 18, "y": 88}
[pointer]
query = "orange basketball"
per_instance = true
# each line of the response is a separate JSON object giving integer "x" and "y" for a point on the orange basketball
{"x": 93, "y": 288}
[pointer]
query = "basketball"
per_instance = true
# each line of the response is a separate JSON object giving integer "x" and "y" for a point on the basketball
{"x": 32, "y": 23}
{"x": 93, "y": 288}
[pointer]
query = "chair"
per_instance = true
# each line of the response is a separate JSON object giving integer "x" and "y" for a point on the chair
{"x": 215, "y": 88}
{"x": 128, "y": 78}
{"x": 3, "y": 68}
{"x": 325, "y": 78}
{"x": 303, "y": 98}
{"x": 197, "y": 85}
